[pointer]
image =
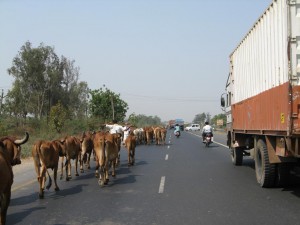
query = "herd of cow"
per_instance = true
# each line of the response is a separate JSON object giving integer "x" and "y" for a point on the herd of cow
{"x": 103, "y": 145}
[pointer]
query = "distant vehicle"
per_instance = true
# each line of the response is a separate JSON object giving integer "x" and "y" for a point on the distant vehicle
{"x": 171, "y": 124}
{"x": 180, "y": 122}
{"x": 193, "y": 127}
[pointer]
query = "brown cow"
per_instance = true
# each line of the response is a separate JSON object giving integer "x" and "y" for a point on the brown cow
{"x": 6, "y": 181}
{"x": 71, "y": 150}
{"x": 99, "y": 148}
{"x": 45, "y": 155}
{"x": 13, "y": 147}
{"x": 130, "y": 146}
{"x": 163, "y": 135}
{"x": 118, "y": 138}
{"x": 111, "y": 154}
{"x": 148, "y": 135}
{"x": 106, "y": 151}
{"x": 157, "y": 135}
{"x": 87, "y": 147}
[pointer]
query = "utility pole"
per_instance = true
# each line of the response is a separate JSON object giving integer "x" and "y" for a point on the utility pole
{"x": 112, "y": 106}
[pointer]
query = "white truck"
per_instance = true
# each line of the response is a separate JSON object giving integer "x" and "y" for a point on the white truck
{"x": 262, "y": 99}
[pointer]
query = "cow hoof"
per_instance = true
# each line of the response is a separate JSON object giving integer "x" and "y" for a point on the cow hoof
{"x": 97, "y": 175}
{"x": 41, "y": 196}
{"x": 76, "y": 174}
{"x": 81, "y": 171}
{"x": 113, "y": 175}
{"x": 56, "y": 189}
{"x": 101, "y": 183}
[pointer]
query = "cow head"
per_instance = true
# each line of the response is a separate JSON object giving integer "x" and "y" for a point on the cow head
{"x": 13, "y": 147}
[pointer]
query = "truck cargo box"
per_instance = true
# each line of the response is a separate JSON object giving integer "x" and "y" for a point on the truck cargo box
{"x": 263, "y": 92}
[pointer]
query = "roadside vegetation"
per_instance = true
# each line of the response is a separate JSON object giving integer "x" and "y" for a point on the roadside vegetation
{"x": 218, "y": 121}
{"x": 48, "y": 100}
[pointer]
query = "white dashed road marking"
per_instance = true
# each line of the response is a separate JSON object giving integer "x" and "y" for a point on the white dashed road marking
{"x": 162, "y": 185}
{"x": 167, "y": 156}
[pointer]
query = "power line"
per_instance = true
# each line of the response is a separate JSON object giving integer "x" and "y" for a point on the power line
{"x": 175, "y": 99}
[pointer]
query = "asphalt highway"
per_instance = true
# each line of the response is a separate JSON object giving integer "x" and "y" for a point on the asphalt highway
{"x": 181, "y": 182}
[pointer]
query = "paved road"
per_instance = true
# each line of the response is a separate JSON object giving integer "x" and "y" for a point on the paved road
{"x": 179, "y": 183}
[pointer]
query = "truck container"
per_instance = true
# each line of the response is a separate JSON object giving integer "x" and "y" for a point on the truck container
{"x": 262, "y": 99}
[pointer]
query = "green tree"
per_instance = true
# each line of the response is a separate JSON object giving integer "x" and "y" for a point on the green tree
{"x": 200, "y": 118}
{"x": 141, "y": 120}
{"x": 33, "y": 70}
{"x": 42, "y": 80}
{"x": 219, "y": 117}
{"x": 107, "y": 105}
{"x": 58, "y": 115}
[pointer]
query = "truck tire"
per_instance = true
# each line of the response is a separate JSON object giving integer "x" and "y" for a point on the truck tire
{"x": 265, "y": 171}
{"x": 237, "y": 156}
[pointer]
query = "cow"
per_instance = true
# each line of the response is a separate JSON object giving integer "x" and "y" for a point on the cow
{"x": 99, "y": 145}
{"x": 6, "y": 181}
{"x": 118, "y": 138}
{"x": 111, "y": 154}
{"x": 130, "y": 146}
{"x": 139, "y": 134}
{"x": 157, "y": 135}
{"x": 10, "y": 155}
{"x": 45, "y": 156}
{"x": 148, "y": 135}
{"x": 71, "y": 150}
{"x": 163, "y": 135}
{"x": 87, "y": 147}
{"x": 13, "y": 147}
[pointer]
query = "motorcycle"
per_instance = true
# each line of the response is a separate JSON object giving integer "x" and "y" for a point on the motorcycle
{"x": 177, "y": 134}
{"x": 207, "y": 139}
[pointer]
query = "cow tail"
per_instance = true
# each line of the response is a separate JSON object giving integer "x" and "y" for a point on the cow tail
{"x": 49, "y": 181}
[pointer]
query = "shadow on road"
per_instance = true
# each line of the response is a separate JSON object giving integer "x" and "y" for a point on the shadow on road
{"x": 18, "y": 217}
{"x": 23, "y": 200}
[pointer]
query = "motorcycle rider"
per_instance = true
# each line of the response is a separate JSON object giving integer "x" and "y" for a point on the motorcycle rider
{"x": 207, "y": 129}
{"x": 177, "y": 129}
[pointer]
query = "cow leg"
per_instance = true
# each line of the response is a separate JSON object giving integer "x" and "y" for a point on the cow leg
{"x": 81, "y": 159}
{"x": 76, "y": 167}
{"x": 55, "y": 178}
{"x": 88, "y": 161}
{"x": 128, "y": 157}
{"x": 68, "y": 169}
{"x": 97, "y": 170}
{"x": 106, "y": 170}
{"x": 62, "y": 167}
{"x": 5, "y": 200}
{"x": 113, "y": 162}
{"x": 102, "y": 176}
{"x": 42, "y": 181}
{"x": 133, "y": 157}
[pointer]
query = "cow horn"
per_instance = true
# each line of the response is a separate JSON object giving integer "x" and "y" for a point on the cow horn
{"x": 22, "y": 141}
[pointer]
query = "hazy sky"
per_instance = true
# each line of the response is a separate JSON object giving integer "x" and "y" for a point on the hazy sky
{"x": 166, "y": 58}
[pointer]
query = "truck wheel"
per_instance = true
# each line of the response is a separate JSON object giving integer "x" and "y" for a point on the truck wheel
{"x": 265, "y": 171}
{"x": 237, "y": 156}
